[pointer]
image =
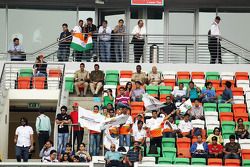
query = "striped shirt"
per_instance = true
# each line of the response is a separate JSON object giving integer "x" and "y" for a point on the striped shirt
{"x": 43, "y": 123}
{"x": 123, "y": 99}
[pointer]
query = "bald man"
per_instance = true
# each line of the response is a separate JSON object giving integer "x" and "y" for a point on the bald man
{"x": 155, "y": 78}
{"x": 112, "y": 157}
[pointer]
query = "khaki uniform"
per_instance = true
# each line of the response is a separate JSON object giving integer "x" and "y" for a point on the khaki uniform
{"x": 155, "y": 79}
{"x": 80, "y": 80}
{"x": 96, "y": 81}
{"x": 142, "y": 77}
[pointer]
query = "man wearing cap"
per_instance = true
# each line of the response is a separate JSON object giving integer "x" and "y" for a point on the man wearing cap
{"x": 81, "y": 80}
{"x": 139, "y": 75}
{"x": 78, "y": 132}
{"x": 214, "y": 45}
{"x": 96, "y": 80}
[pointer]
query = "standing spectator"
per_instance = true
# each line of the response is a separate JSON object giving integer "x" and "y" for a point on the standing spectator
{"x": 51, "y": 158}
{"x": 216, "y": 133}
{"x": 91, "y": 29}
{"x": 94, "y": 148}
{"x": 109, "y": 98}
{"x": 138, "y": 118}
{"x": 155, "y": 78}
{"x": 81, "y": 80}
{"x": 16, "y": 51}
{"x": 78, "y": 131}
{"x": 139, "y": 75}
{"x": 105, "y": 37}
{"x": 83, "y": 154}
{"x": 199, "y": 149}
{"x": 215, "y": 149}
{"x": 23, "y": 140}
{"x": 139, "y": 134}
{"x": 47, "y": 148}
{"x": 196, "y": 111}
{"x": 134, "y": 155}
{"x": 137, "y": 92}
{"x": 40, "y": 67}
{"x": 185, "y": 127}
{"x": 227, "y": 95}
{"x": 62, "y": 120}
{"x": 113, "y": 158}
{"x": 64, "y": 44}
{"x": 96, "y": 80}
{"x": 43, "y": 128}
{"x": 170, "y": 128}
{"x": 179, "y": 93}
{"x": 232, "y": 149}
{"x": 138, "y": 32}
{"x": 78, "y": 29}
{"x": 214, "y": 45}
{"x": 240, "y": 130}
{"x": 208, "y": 95}
{"x": 122, "y": 100}
{"x": 119, "y": 32}
{"x": 124, "y": 131}
{"x": 193, "y": 91}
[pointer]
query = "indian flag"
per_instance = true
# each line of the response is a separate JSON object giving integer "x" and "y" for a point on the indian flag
{"x": 81, "y": 42}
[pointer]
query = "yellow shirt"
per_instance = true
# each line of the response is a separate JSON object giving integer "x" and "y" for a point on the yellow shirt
{"x": 219, "y": 139}
{"x": 81, "y": 76}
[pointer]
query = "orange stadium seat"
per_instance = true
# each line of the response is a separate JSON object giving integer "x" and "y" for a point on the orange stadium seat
{"x": 214, "y": 162}
{"x": 23, "y": 82}
{"x": 232, "y": 162}
{"x": 126, "y": 74}
{"x": 223, "y": 83}
{"x": 237, "y": 91}
{"x": 241, "y": 76}
{"x": 38, "y": 82}
{"x": 239, "y": 108}
{"x": 245, "y": 154}
{"x": 137, "y": 106}
{"x": 55, "y": 73}
{"x": 216, "y": 83}
{"x": 198, "y": 75}
{"x": 195, "y": 140}
{"x": 219, "y": 91}
{"x": 170, "y": 82}
{"x": 184, "y": 153}
{"x": 183, "y": 143}
{"x": 226, "y": 116}
{"x": 163, "y": 97}
{"x": 242, "y": 115}
{"x": 183, "y": 75}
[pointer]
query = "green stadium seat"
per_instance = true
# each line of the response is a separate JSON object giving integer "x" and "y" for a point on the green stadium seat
{"x": 198, "y": 161}
{"x": 209, "y": 132}
{"x": 111, "y": 81}
{"x": 168, "y": 142}
{"x": 181, "y": 161}
{"x": 177, "y": 122}
{"x": 228, "y": 126}
{"x": 112, "y": 77}
{"x": 153, "y": 155}
{"x": 227, "y": 134}
{"x": 164, "y": 160}
{"x": 165, "y": 90}
{"x": 26, "y": 72}
{"x": 225, "y": 107}
{"x": 152, "y": 90}
{"x": 69, "y": 84}
{"x": 210, "y": 107}
{"x": 169, "y": 152}
{"x": 112, "y": 72}
{"x": 246, "y": 163}
{"x": 212, "y": 75}
{"x": 184, "y": 81}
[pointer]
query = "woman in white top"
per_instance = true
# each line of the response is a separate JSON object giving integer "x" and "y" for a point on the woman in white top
{"x": 138, "y": 40}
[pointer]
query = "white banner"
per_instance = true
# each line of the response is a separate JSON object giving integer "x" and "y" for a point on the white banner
{"x": 185, "y": 106}
{"x": 118, "y": 120}
{"x": 151, "y": 103}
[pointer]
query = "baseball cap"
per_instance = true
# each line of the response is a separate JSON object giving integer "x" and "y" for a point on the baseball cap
{"x": 75, "y": 104}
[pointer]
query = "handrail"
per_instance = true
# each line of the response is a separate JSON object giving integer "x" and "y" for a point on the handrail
{"x": 235, "y": 54}
{"x": 232, "y": 43}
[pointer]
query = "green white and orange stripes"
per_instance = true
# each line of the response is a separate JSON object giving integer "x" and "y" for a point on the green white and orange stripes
{"x": 81, "y": 42}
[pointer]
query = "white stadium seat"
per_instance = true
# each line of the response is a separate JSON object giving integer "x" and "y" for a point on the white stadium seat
{"x": 227, "y": 75}
{"x": 169, "y": 74}
{"x": 197, "y": 123}
{"x": 238, "y": 100}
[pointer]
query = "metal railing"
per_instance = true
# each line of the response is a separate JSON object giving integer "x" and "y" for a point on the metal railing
{"x": 168, "y": 49}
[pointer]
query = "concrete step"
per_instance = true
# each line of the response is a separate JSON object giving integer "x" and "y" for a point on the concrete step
{"x": 85, "y": 102}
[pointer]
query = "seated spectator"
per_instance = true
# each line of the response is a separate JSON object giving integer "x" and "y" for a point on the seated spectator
{"x": 76, "y": 159}
{"x": 51, "y": 158}
{"x": 40, "y": 67}
{"x": 128, "y": 88}
{"x": 199, "y": 149}
{"x": 216, "y": 133}
{"x": 134, "y": 155}
{"x": 139, "y": 76}
{"x": 108, "y": 98}
{"x": 122, "y": 100}
{"x": 16, "y": 51}
{"x": 139, "y": 134}
{"x": 179, "y": 93}
{"x": 169, "y": 107}
{"x": 96, "y": 80}
{"x": 81, "y": 80}
{"x": 185, "y": 127}
{"x": 68, "y": 150}
{"x": 196, "y": 111}
{"x": 232, "y": 149}
{"x": 137, "y": 93}
{"x": 47, "y": 148}
{"x": 240, "y": 130}
{"x": 170, "y": 128}
{"x": 124, "y": 131}
{"x": 208, "y": 95}
{"x": 155, "y": 78}
{"x": 83, "y": 154}
{"x": 110, "y": 106}
{"x": 215, "y": 150}
{"x": 227, "y": 95}
{"x": 65, "y": 158}
{"x": 113, "y": 158}
{"x": 193, "y": 91}
{"x": 138, "y": 118}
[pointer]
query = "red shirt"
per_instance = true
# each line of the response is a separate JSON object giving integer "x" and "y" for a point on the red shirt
{"x": 74, "y": 119}
{"x": 93, "y": 132}
{"x": 215, "y": 148}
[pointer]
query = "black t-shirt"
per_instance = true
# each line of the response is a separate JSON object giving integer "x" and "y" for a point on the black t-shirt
{"x": 64, "y": 128}
{"x": 169, "y": 108}
{"x": 93, "y": 29}
{"x": 64, "y": 35}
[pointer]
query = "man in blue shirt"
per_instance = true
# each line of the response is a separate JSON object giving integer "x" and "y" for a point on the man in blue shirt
{"x": 227, "y": 95}
{"x": 208, "y": 95}
{"x": 112, "y": 157}
{"x": 193, "y": 91}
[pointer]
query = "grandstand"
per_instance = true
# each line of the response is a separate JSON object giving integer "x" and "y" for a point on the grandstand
{"x": 175, "y": 42}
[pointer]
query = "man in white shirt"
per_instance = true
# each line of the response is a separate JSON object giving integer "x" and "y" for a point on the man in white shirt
{"x": 124, "y": 131}
{"x": 179, "y": 93}
{"x": 139, "y": 134}
{"x": 45, "y": 151}
{"x": 23, "y": 140}
{"x": 16, "y": 51}
{"x": 51, "y": 158}
{"x": 214, "y": 45}
{"x": 104, "y": 38}
{"x": 170, "y": 128}
{"x": 185, "y": 127}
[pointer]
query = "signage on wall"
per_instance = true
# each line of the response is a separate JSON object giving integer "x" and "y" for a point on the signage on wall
{"x": 148, "y": 2}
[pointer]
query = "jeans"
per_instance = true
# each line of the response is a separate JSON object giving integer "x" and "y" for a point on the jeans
{"x": 22, "y": 152}
{"x": 127, "y": 140}
{"x": 94, "y": 147}
{"x": 208, "y": 100}
{"x": 63, "y": 53}
{"x": 232, "y": 156}
{"x": 105, "y": 51}
{"x": 199, "y": 155}
{"x": 42, "y": 138}
{"x": 121, "y": 105}
{"x": 169, "y": 135}
{"x": 119, "y": 51}
{"x": 77, "y": 135}
{"x": 62, "y": 140}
